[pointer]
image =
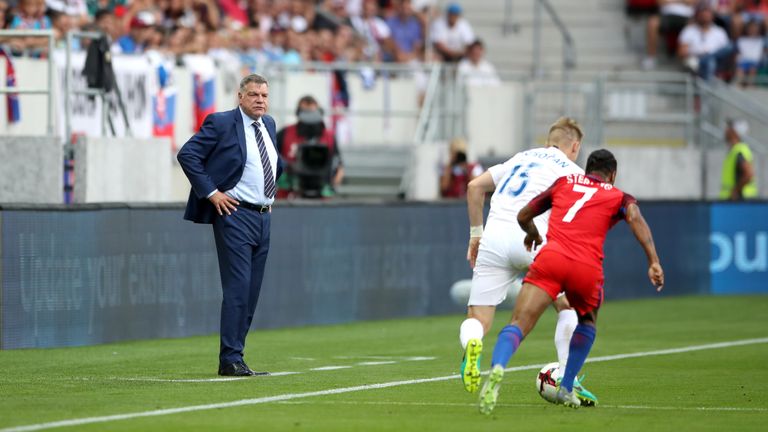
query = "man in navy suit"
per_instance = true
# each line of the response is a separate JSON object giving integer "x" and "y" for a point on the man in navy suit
{"x": 233, "y": 164}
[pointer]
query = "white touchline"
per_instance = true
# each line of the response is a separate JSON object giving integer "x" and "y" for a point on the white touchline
{"x": 330, "y": 368}
{"x": 376, "y": 363}
{"x": 290, "y": 396}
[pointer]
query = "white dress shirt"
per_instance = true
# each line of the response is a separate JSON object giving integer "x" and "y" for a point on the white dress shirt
{"x": 250, "y": 188}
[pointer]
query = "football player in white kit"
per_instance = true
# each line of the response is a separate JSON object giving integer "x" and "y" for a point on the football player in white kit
{"x": 497, "y": 253}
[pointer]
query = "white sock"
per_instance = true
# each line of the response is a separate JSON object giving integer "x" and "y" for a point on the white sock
{"x": 471, "y": 328}
{"x": 567, "y": 320}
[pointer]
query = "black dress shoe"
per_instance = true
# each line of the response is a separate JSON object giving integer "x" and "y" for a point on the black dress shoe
{"x": 235, "y": 369}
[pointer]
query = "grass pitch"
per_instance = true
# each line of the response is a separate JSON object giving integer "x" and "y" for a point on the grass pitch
{"x": 720, "y": 389}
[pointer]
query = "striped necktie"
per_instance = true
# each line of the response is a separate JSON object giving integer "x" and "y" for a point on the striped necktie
{"x": 269, "y": 177}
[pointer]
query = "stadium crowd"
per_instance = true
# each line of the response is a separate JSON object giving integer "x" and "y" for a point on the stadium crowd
{"x": 287, "y": 31}
{"x": 723, "y": 38}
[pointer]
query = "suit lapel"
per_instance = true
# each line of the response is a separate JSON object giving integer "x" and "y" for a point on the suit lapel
{"x": 240, "y": 129}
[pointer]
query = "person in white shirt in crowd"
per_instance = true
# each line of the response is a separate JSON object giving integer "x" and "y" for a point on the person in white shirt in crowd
{"x": 475, "y": 70}
{"x": 451, "y": 34}
{"x": 673, "y": 16}
{"x": 702, "y": 45}
{"x": 375, "y": 31}
{"x": 76, "y": 9}
{"x": 750, "y": 47}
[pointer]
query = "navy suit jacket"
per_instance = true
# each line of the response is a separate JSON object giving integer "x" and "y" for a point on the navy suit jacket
{"x": 214, "y": 158}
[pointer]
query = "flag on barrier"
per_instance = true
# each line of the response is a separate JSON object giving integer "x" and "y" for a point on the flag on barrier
{"x": 203, "y": 72}
{"x": 204, "y": 97}
{"x": 164, "y": 107}
{"x": 13, "y": 110}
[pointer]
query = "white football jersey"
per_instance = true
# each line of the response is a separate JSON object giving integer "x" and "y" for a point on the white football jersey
{"x": 522, "y": 178}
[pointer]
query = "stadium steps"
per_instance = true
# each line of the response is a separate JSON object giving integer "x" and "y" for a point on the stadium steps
{"x": 375, "y": 171}
{"x": 597, "y": 26}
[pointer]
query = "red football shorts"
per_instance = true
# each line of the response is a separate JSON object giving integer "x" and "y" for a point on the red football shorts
{"x": 556, "y": 273}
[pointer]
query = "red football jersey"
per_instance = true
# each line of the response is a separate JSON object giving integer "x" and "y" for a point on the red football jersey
{"x": 584, "y": 208}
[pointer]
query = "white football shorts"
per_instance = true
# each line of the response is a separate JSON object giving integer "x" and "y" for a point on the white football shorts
{"x": 502, "y": 262}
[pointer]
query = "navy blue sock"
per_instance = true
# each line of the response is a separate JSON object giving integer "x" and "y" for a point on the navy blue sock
{"x": 506, "y": 345}
{"x": 581, "y": 342}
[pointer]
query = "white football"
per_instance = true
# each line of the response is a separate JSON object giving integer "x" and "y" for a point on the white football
{"x": 460, "y": 291}
{"x": 546, "y": 381}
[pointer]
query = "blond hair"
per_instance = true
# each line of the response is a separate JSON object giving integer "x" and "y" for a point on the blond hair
{"x": 564, "y": 131}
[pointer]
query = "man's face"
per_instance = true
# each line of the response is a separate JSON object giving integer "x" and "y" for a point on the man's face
{"x": 254, "y": 99}
{"x": 452, "y": 19}
{"x": 406, "y": 8}
{"x": 476, "y": 53}
{"x": 370, "y": 8}
{"x": 705, "y": 17}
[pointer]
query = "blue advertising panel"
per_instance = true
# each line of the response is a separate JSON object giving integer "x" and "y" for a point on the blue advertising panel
{"x": 680, "y": 231}
{"x": 739, "y": 248}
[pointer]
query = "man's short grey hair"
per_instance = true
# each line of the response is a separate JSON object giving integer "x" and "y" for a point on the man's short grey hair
{"x": 252, "y": 78}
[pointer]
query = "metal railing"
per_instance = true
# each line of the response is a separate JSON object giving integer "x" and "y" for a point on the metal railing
{"x": 720, "y": 102}
{"x": 48, "y": 92}
{"x": 282, "y": 108}
{"x": 634, "y": 105}
{"x": 569, "y": 47}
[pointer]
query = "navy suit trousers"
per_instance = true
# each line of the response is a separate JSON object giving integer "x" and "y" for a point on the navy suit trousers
{"x": 242, "y": 244}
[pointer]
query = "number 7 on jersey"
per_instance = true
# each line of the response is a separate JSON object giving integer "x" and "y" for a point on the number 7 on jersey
{"x": 588, "y": 192}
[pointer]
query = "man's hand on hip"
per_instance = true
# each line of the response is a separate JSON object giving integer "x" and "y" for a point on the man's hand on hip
{"x": 223, "y": 203}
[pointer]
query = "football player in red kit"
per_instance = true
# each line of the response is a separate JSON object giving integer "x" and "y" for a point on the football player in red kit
{"x": 584, "y": 208}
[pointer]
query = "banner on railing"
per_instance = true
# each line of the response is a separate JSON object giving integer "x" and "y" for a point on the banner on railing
{"x": 137, "y": 81}
{"x": 203, "y": 77}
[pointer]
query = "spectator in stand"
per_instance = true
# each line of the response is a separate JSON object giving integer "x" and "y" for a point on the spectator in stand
{"x": 703, "y": 46}
{"x": 407, "y": 32}
{"x": 339, "y": 10}
{"x": 291, "y": 15}
{"x": 113, "y": 6}
{"x": 674, "y": 16}
{"x": 177, "y": 42}
{"x": 31, "y": 16}
{"x": 3, "y": 14}
{"x": 375, "y": 32}
{"x": 474, "y": 69}
{"x": 259, "y": 16}
{"x": 106, "y": 22}
{"x": 138, "y": 34}
{"x": 746, "y": 11}
{"x": 62, "y": 24}
{"x": 310, "y": 129}
{"x": 738, "y": 173}
{"x": 327, "y": 16}
{"x": 724, "y": 10}
{"x": 750, "y": 47}
{"x": 76, "y": 9}
{"x": 452, "y": 34}
{"x": 458, "y": 172}
{"x": 354, "y": 8}
{"x": 299, "y": 44}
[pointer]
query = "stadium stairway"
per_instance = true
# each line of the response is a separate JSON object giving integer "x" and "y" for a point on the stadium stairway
{"x": 373, "y": 171}
{"x": 601, "y": 31}
{"x": 597, "y": 26}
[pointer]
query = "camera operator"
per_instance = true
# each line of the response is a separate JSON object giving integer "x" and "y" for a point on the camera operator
{"x": 458, "y": 172}
{"x": 311, "y": 130}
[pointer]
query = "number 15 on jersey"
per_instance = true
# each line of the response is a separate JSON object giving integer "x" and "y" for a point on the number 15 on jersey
{"x": 521, "y": 180}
